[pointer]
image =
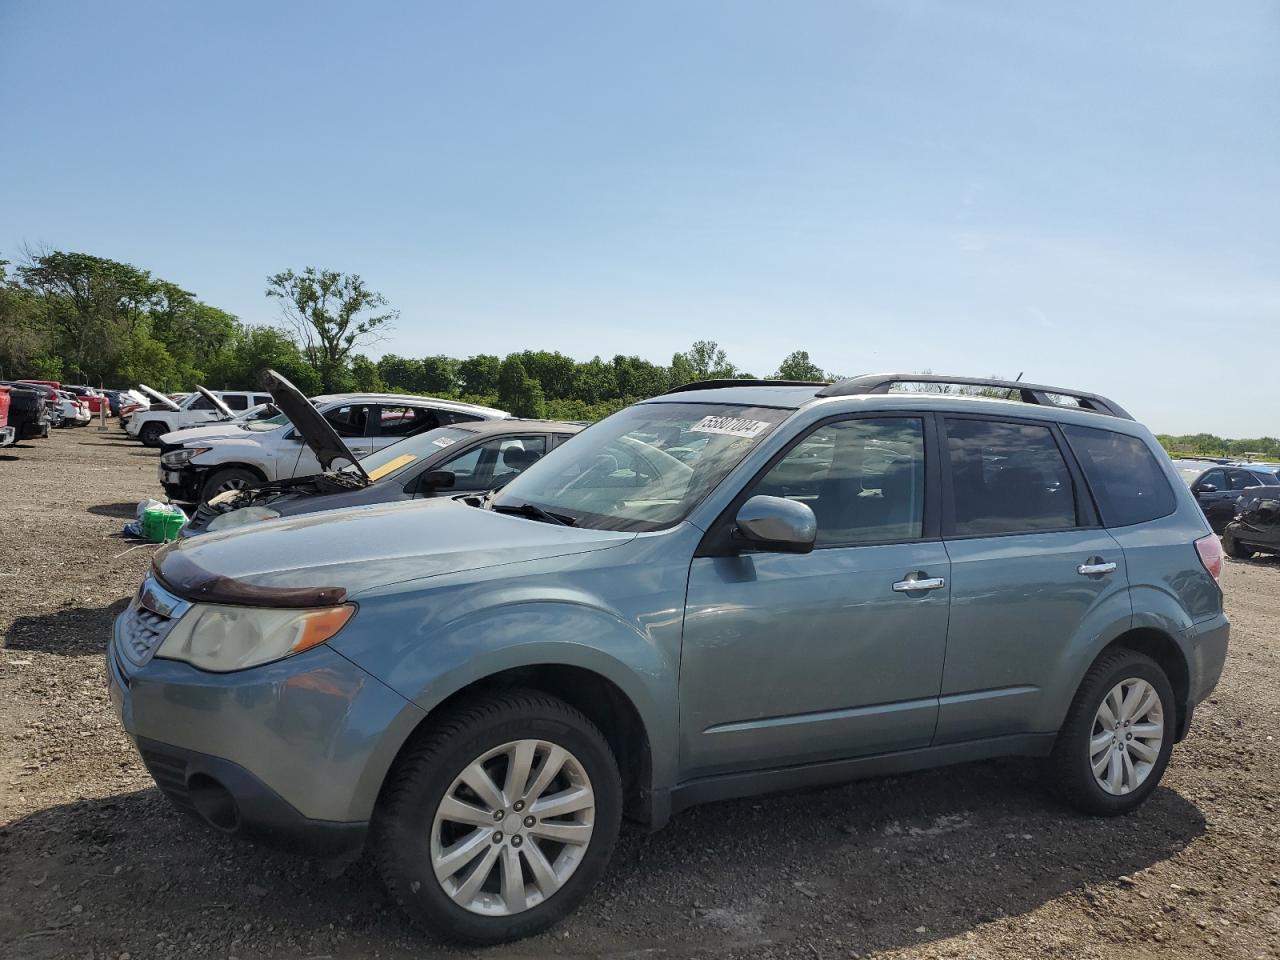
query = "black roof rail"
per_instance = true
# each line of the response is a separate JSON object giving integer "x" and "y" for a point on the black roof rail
{"x": 718, "y": 384}
{"x": 1028, "y": 392}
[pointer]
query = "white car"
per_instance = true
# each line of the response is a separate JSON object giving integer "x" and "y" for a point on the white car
{"x": 221, "y": 428}
{"x": 73, "y": 410}
{"x": 267, "y": 450}
{"x": 203, "y": 406}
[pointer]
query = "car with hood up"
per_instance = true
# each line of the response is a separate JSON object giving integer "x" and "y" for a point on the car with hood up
{"x": 221, "y": 428}
{"x": 1256, "y": 526}
{"x": 735, "y": 588}
{"x": 280, "y": 448}
{"x": 462, "y": 458}
{"x": 204, "y": 406}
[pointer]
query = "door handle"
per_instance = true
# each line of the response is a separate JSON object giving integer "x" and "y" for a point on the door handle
{"x": 912, "y": 583}
{"x": 1093, "y": 569}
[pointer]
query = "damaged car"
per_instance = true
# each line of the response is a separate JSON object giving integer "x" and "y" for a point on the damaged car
{"x": 463, "y": 458}
{"x": 1256, "y": 527}
{"x": 266, "y": 451}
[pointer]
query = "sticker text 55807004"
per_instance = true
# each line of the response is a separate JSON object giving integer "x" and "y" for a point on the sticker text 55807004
{"x": 730, "y": 426}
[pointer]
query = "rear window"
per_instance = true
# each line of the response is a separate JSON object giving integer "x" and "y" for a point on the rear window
{"x": 1125, "y": 476}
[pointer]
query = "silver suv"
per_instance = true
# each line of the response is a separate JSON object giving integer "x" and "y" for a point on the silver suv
{"x": 734, "y": 588}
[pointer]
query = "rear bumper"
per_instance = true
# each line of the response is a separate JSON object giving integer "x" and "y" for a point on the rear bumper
{"x": 1207, "y": 655}
{"x": 8, "y": 436}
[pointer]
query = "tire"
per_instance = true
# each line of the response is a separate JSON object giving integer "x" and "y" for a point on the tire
{"x": 409, "y": 834}
{"x": 1072, "y": 762}
{"x": 151, "y": 433}
{"x": 232, "y": 478}
{"x": 1234, "y": 549}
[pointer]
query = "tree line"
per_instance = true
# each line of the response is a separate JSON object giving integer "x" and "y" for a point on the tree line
{"x": 80, "y": 318}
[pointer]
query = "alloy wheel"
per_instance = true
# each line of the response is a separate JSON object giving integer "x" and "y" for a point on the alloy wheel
{"x": 512, "y": 828}
{"x": 1128, "y": 731}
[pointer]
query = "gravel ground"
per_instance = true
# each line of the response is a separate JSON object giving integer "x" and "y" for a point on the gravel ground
{"x": 973, "y": 861}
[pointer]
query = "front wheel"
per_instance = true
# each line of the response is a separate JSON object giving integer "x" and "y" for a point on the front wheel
{"x": 232, "y": 478}
{"x": 151, "y": 433}
{"x": 1114, "y": 746}
{"x": 499, "y": 818}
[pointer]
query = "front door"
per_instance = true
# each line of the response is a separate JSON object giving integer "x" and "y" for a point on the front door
{"x": 794, "y": 658}
{"x": 350, "y": 421}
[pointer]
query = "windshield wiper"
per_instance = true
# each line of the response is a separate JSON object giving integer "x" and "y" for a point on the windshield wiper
{"x": 534, "y": 512}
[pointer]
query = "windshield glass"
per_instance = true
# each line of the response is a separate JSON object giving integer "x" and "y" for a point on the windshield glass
{"x": 268, "y": 424}
{"x": 384, "y": 463}
{"x": 645, "y": 467}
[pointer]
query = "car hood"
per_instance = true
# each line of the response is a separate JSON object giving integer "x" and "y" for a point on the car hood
{"x": 322, "y": 558}
{"x": 215, "y": 431}
{"x": 222, "y": 408}
{"x": 312, "y": 427}
{"x": 159, "y": 397}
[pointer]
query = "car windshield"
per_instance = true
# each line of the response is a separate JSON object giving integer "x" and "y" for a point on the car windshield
{"x": 644, "y": 468}
{"x": 279, "y": 420}
{"x": 391, "y": 459}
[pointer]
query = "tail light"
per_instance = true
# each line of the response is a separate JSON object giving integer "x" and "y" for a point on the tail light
{"x": 1210, "y": 550}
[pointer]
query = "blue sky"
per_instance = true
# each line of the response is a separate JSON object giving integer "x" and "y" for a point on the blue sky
{"x": 1085, "y": 193}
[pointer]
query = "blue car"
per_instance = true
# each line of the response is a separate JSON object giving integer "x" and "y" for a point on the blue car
{"x": 734, "y": 588}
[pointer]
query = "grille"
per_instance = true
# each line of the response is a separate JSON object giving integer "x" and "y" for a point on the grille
{"x": 147, "y": 621}
{"x": 170, "y": 775}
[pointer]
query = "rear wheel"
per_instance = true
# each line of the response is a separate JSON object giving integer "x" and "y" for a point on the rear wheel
{"x": 1234, "y": 549}
{"x": 1114, "y": 746}
{"x": 151, "y": 433}
{"x": 499, "y": 819}
{"x": 232, "y": 478}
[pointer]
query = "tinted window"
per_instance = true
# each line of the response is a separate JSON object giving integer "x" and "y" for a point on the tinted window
{"x": 863, "y": 479}
{"x": 262, "y": 398}
{"x": 1125, "y": 477}
{"x": 1239, "y": 479}
{"x": 1008, "y": 478}
{"x": 1218, "y": 478}
{"x": 1262, "y": 478}
{"x": 201, "y": 403}
{"x": 235, "y": 401}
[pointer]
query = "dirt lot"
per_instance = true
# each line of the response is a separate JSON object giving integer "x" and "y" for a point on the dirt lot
{"x": 973, "y": 861}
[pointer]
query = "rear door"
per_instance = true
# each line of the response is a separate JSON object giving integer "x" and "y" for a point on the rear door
{"x": 395, "y": 421}
{"x": 1032, "y": 571}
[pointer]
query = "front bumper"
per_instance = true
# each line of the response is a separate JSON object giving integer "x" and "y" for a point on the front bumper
{"x": 183, "y": 483}
{"x": 291, "y": 753}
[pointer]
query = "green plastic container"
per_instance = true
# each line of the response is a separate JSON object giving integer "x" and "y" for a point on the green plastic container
{"x": 160, "y": 524}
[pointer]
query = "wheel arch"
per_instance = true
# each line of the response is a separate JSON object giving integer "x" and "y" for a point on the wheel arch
{"x": 1165, "y": 651}
{"x": 598, "y": 698}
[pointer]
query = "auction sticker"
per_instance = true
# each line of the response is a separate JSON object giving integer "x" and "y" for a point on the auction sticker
{"x": 730, "y": 426}
{"x": 443, "y": 442}
{"x": 391, "y": 465}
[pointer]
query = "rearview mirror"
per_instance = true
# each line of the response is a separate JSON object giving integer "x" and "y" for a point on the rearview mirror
{"x": 776, "y": 525}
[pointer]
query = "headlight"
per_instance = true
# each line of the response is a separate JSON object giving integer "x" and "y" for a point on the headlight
{"x": 221, "y": 639}
{"x": 176, "y": 458}
{"x": 238, "y": 518}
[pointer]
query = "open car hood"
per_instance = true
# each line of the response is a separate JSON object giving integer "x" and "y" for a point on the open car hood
{"x": 314, "y": 429}
{"x": 218, "y": 405}
{"x": 159, "y": 397}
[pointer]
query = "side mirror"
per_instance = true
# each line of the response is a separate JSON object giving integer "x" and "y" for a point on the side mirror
{"x": 436, "y": 480}
{"x": 1206, "y": 488}
{"x": 776, "y": 525}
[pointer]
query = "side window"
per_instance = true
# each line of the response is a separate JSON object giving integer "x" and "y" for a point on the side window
{"x": 560, "y": 438}
{"x": 495, "y": 462}
{"x": 516, "y": 455}
{"x": 863, "y": 479}
{"x": 201, "y": 403}
{"x": 1239, "y": 479}
{"x": 235, "y": 401}
{"x": 447, "y": 417}
{"x": 1008, "y": 478}
{"x": 1218, "y": 478}
{"x": 1126, "y": 479}
{"x": 259, "y": 398}
{"x": 405, "y": 421}
{"x": 349, "y": 420}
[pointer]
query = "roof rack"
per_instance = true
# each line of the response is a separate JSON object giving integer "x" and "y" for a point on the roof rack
{"x": 1028, "y": 392}
{"x": 718, "y": 384}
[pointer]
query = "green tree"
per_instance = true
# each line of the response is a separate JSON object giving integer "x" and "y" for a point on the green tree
{"x": 440, "y": 375}
{"x": 330, "y": 314}
{"x": 798, "y": 366}
{"x": 709, "y": 361}
{"x": 365, "y": 376}
{"x": 681, "y": 371}
{"x": 638, "y": 379}
{"x": 595, "y": 381}
{"x": 517, "y": 391}
{"x": 478, "y": 375}
{"x": 553, "y": 371}
{"x": 401, "y": 373}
